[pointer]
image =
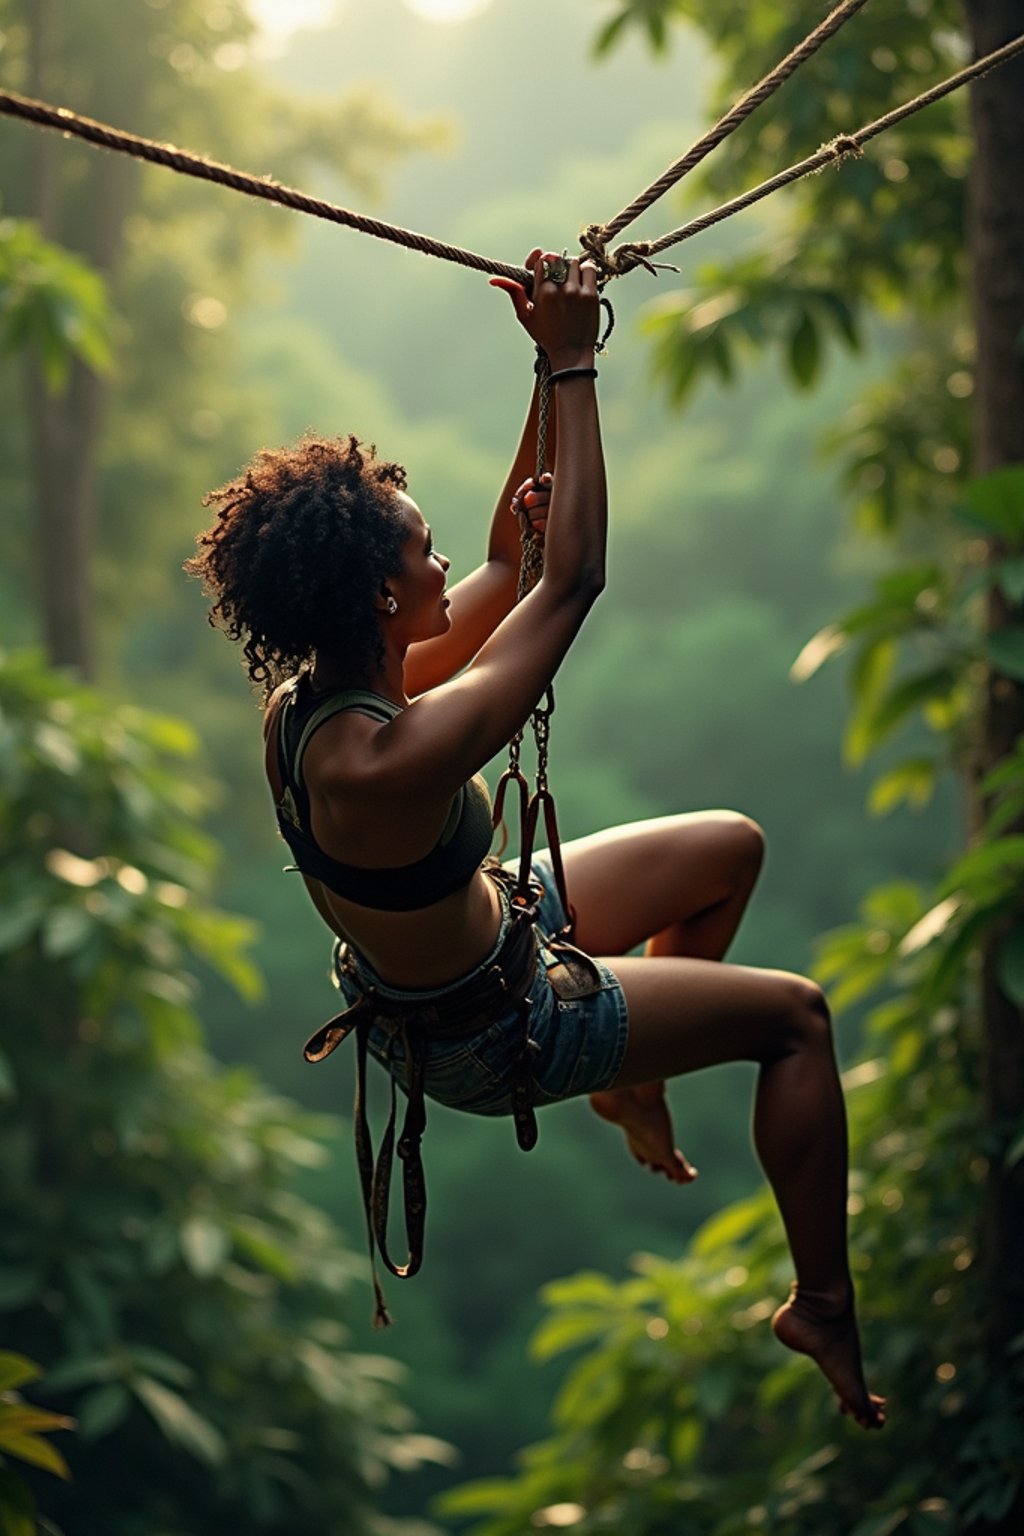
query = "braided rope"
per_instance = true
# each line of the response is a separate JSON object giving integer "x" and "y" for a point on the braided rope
{"x": 71, "y": 124}
{"x": 624, "y": 258}
{"x": 597, "y": 236}
{"x": 837, "y": 149}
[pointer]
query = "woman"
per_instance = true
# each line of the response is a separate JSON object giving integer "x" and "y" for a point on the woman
{"x": 385, "y": 696}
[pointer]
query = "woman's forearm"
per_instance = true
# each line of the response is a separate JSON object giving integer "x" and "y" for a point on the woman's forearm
{"x": 504, "y": 541}
{"x": 577, "y": 527}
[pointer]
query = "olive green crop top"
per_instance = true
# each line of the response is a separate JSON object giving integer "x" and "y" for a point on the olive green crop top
{"x": 450, "y": 864}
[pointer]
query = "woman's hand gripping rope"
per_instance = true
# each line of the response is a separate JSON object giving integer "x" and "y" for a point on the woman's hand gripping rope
{"x": 531, "y": 501}
{"x": 562, "y": 311}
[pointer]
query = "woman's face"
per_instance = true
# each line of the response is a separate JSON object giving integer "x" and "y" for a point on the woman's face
{"x": 419, "y": 588}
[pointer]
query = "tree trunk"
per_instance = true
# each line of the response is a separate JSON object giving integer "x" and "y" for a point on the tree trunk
{"x": 995, "y": 237}
{"x": 64, "y": 429}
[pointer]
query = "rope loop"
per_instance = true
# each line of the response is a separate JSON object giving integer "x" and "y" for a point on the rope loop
{"x": 624, "y": 258}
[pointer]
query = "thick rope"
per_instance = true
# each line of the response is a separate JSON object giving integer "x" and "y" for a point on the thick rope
{"x": 596, "y": 237}
{"x": 617, "y": 262}
{"x": 832, "y": 153}
{"x": 72, "y": 125}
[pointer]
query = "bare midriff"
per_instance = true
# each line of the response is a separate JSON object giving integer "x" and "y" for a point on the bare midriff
{"x": 417, "y": 950}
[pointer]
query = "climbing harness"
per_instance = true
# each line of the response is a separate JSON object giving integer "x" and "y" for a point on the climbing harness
{"x": 503, "y": 984}
{"x": 462, "y": 1011}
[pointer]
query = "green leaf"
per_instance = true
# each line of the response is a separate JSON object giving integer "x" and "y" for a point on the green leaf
{"x": 257, "y": 1240}
{"x": 19, "y": 1418}
{"x": 1009, "y": 813}
{"x": 565, "y": 1330}
{"x": 1010, "y": 576}
{"x": 872, "y": 668}
{"x": 609, "y": 33}
{"x": 728, "y": 1227}
{"x": 587, "y": 1287}
{"x": 879, "y": 716}
{"x": 97, "y": 1300}
{"x": 16, "y": 1370}
{"x": 912, "y": 781}
{"x": 103, "y": 1410}
{"x": 479, "y": 1498}
{"x": 180, "y": 1423}
{"x": 161, "y": 1365}
{"x": 991, "y": 865}
{"x": 844, "y": 317}
{"x": 80, "y": 1370}
{"x": 53, "y": 302}
{"x": 995, "y": 502}
{"x": 588, "y": 1393}
{"x": 1009, "y": 770}
{"x": 805, "y": 351}
{"x": 1005, "y": 650}
{"x": 220, "y": 939}
{"x": 36, "y": 1452}
{"x": 944, "y": 981}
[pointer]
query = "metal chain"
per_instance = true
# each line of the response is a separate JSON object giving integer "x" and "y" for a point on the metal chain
{"x": 531, "y": 568}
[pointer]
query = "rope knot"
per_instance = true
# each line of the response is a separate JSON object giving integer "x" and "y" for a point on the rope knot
{"x": 635, "y": 253}
{"x": 624, "y": 258}
{"x": 593, "y": 244}
{"x": 843, "y": 147}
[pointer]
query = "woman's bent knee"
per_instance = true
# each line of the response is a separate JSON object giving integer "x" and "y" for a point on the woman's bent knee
{"x": 745, "y": 843}
{"x": 807, "y": 1019}
{"x": 752, "y": 841}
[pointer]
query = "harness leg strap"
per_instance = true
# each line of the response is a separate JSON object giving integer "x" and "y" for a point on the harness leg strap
{"x": 364, "y": 1158}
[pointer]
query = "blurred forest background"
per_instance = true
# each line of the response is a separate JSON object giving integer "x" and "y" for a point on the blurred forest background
{"x": 747, "y": 515}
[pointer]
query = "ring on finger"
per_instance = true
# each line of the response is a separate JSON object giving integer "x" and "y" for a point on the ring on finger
{"x": 555, "y": 268}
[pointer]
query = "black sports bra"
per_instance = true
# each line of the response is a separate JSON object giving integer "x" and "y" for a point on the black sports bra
{"x": 450, "y": 864}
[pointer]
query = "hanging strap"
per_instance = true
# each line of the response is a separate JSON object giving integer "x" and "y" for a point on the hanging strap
{"x": 504, "y": 984}
{"x": 531, "y": 566}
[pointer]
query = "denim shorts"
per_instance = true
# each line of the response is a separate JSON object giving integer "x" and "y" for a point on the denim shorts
{"x": 581, "y": 1042}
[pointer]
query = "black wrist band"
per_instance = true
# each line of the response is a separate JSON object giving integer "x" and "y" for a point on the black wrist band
{"x": 572, "y": 373}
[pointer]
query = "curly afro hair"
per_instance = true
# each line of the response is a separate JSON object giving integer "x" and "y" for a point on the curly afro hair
{"x": 295, "y": 559}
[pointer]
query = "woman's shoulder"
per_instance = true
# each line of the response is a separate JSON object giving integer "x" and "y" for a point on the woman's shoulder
{"x": 273, "y": 703}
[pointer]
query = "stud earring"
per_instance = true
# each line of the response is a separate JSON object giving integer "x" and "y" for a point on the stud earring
{"x": 391, "y": 605}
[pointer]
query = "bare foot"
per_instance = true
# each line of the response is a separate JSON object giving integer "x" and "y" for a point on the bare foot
{"x": 826, "y": 1329}
{"x": 643, "y": 1114}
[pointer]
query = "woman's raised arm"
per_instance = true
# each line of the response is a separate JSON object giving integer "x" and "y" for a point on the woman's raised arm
{"x": 454, "y": 729}
{"x": 480, "y": 600}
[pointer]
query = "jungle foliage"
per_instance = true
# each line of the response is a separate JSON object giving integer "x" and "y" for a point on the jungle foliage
{"x": 725, "y": 559}
{"x": 156, "y": 1251}
{"x": 678, "y": 1409}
